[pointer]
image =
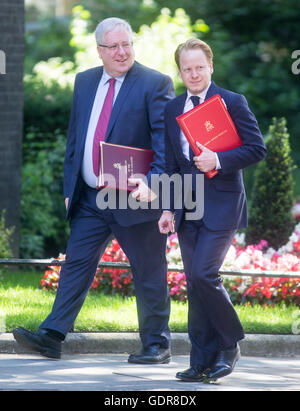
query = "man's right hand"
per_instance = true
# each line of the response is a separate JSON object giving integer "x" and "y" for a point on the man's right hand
{"x": 67, "y": 202}
{"x": 166, "y": 223}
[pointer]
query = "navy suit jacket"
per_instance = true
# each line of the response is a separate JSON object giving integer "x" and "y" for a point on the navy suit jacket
{"x": 136, "y": 120}
{"x": 225, "y": 205}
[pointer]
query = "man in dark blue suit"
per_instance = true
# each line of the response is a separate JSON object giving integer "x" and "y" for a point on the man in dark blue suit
{"x": 214, "y": 327}
{"x": 132, "y": 98}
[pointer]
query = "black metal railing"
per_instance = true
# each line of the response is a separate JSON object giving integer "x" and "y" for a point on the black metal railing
{"x": 118, "y": 265}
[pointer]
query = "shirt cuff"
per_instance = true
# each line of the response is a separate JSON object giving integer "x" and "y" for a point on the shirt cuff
{"x": 218, "y": 166}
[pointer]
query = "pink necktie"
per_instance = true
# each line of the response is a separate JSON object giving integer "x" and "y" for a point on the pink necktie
{"x": 102, "y": 124}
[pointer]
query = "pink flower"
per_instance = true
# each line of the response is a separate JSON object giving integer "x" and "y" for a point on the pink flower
{"x": 296, "y": 211}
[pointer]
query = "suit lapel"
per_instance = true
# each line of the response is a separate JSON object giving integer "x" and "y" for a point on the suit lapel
{"x": 129, "y": 81}
{"x": 175, "y": 129}
{"x": 88, "y": 102}
{"x": 178, "y": 110}
{"x": 213, "y": 89}
{"x": 180, "y": 106}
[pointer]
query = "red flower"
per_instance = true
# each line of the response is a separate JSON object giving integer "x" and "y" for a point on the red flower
{"x": 265, "y": 291}
{"x": 296, "y": 246}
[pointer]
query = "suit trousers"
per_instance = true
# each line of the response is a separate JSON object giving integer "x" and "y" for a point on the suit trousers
{"x": 213, "y": 324}
{"x": 145, "y": 247}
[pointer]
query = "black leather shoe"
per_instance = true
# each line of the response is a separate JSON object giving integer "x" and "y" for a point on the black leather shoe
{"x": 39, "y": 342}
{"x": 224, "y": 363}
{"x": 151, "y": 355}
{"x": 192, "y": 374}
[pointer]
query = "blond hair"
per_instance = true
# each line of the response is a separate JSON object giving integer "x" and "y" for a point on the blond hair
{"x": 192, "y": 44}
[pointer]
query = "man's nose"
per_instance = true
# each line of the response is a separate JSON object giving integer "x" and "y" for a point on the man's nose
{"x": 121, "y": 49}
{"x": 195, "y": 73}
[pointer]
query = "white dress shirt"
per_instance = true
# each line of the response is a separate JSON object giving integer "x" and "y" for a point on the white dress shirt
{"x": 87, "y": 171}
{"x": 188, "y": 106}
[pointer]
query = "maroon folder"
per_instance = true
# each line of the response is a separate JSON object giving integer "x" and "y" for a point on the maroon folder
{"x": 118, "y": 163}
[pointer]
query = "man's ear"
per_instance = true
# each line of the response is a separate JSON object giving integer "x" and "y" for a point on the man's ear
{"x": 99, "y": 52}
{"x": 179, "y": 73}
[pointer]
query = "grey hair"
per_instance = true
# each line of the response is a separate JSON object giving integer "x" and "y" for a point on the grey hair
{"x": 110, "y": 24}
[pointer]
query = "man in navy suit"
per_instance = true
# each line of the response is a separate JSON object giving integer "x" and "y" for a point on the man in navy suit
{"x": 138, "y": 96}
{"x": 214, "y": 327}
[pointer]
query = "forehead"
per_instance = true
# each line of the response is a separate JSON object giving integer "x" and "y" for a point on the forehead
{"x": 116, "y": 35}
{"x": 193, "y": 56}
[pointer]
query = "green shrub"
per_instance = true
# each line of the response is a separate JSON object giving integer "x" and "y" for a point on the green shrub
{"x": 46, "y": 107}
{"x": 44, "y": 229}
{"x": 270, "y": 215}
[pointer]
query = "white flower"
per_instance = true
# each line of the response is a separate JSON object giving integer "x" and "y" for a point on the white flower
{"x": 230, "y": 256}
{"x": 296, "y": 210}
{"x": 240, "y": 239}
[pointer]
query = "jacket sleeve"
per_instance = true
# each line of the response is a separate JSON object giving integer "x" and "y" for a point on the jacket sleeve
{"x": 70, "y": 147}
{"x": 171, "y": 166}
{"x": 163, "y": 91}
{"x": 253, "y": 148}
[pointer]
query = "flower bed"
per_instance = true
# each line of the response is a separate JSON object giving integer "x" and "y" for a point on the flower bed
{"x": 296, "y": 211}
{"x": 239, "y": 257}
{"x": 264, "y": 290}
{"x": 109, "y": 280}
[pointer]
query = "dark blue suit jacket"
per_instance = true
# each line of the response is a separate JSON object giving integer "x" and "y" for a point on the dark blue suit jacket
{"x": 136, "y": 120}
{"x": 225, "y": 205}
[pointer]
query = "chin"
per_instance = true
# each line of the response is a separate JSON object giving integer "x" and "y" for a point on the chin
{"x": 198, "y": 89}
{"x": 123, "y": 68}
{"x": 195, "y": 92}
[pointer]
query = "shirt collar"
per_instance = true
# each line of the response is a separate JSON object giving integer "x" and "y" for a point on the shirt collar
{"x": 106, "y": 77}
{"x": 202, "y": 95}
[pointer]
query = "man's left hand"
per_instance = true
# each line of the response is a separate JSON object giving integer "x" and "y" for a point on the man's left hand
{"x": 142, "y": 192}
{"x": 206, "y": 161}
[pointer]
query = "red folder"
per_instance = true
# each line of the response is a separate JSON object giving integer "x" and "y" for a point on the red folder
{"x": 211, "y": 125}
{"x": 120, "y": 162}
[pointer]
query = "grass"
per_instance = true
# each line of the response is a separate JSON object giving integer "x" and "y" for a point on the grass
{"x": 23, "y": 303}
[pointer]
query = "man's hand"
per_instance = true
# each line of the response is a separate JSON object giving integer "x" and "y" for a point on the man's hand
{"x": 166, "y": 223}
{"x": 67, "y": 202}
{"x": 142, "y": 192}
{"x": 206, "y": 161}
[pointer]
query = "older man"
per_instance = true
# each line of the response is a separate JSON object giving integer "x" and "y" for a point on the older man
{"x": 121, "y": 102}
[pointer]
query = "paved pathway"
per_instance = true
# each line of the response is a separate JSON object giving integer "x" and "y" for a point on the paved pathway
{"x": 96, "y": 372}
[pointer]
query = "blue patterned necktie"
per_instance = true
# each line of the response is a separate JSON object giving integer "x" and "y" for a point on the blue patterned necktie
{"x": 196, "y": 102}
